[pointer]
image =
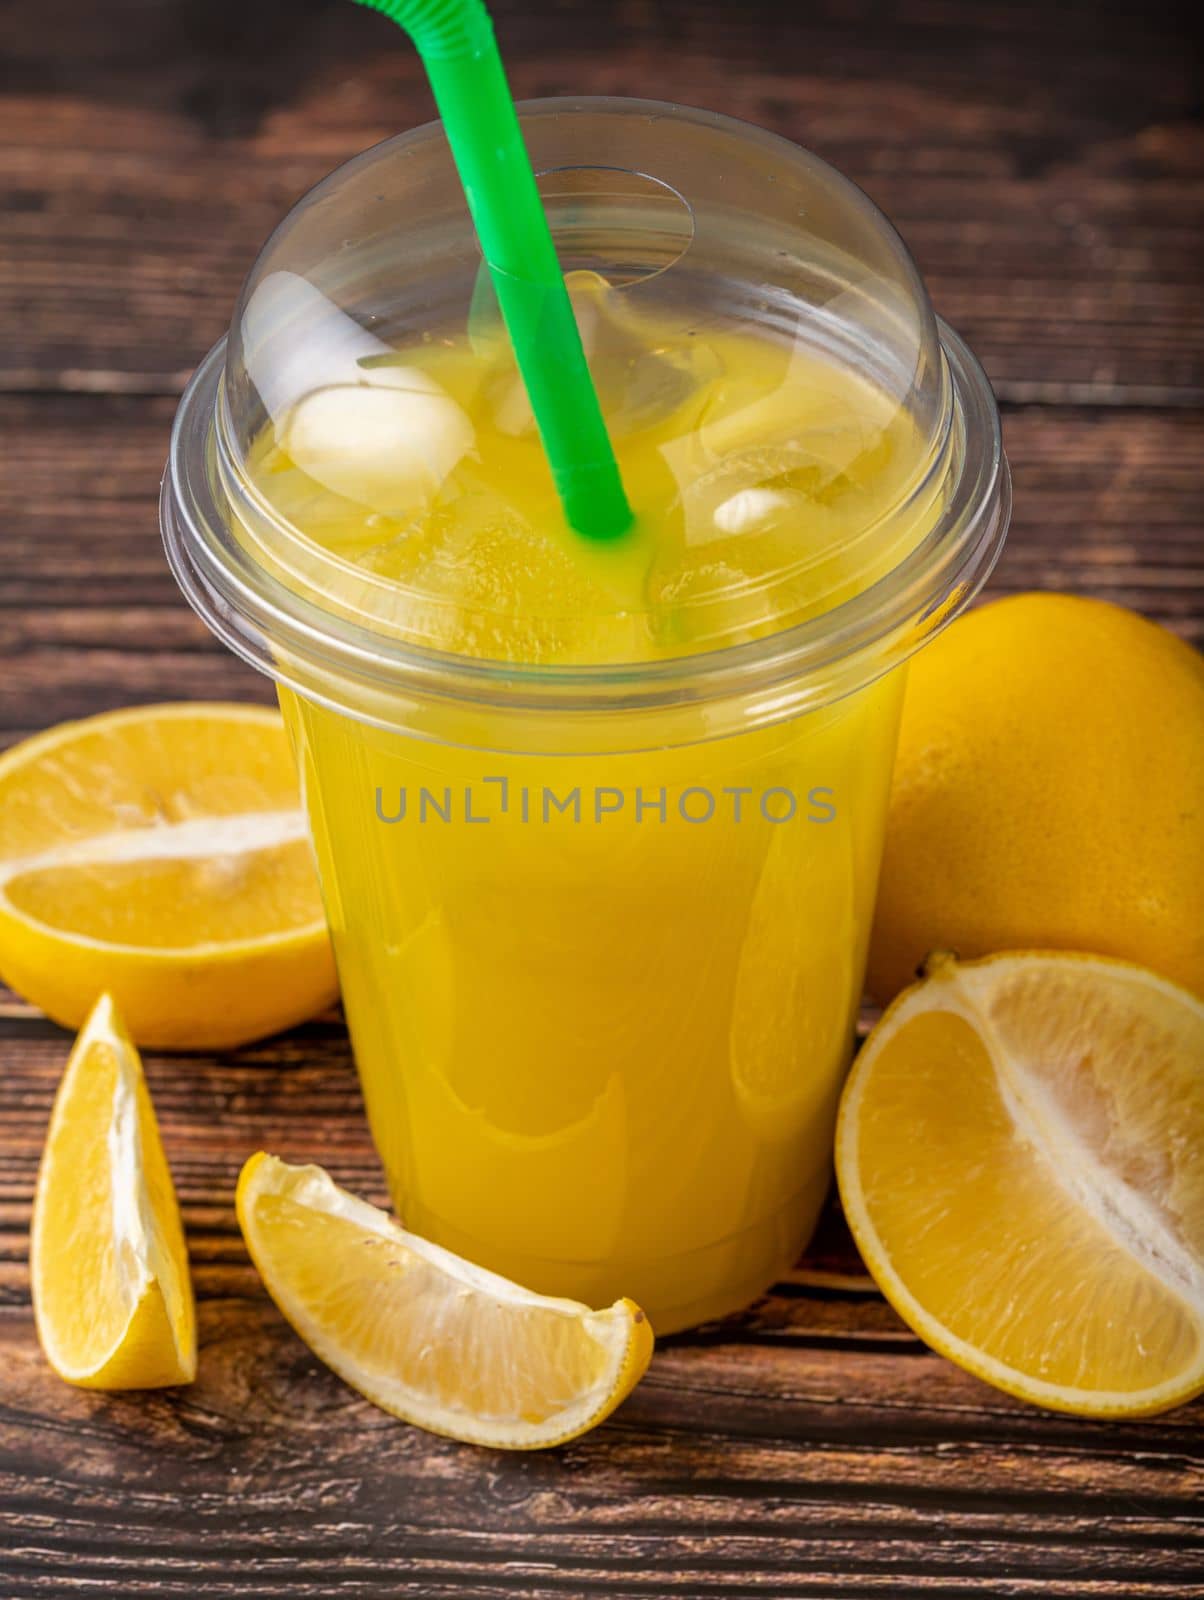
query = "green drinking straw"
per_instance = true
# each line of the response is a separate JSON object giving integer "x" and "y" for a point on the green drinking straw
{"x": 456, "y": 43}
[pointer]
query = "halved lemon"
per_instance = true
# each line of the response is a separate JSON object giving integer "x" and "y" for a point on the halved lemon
{"x": 425, "y": 1335}
{"x": 1021, "y": 1160}
{"x": 160, "y": 854}
{"x": 111, "y": 1290}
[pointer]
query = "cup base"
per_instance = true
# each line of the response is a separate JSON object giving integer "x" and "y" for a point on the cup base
{"x": 677, "y": 1292}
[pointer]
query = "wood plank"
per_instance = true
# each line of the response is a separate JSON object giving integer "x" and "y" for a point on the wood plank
{"x": 1057, "y": 217}
{"x": 268, "y": 1468}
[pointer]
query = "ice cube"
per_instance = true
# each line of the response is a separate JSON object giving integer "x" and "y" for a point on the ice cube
{"x": 388, "y": 444}
{"x": 347, "y": 408}
{"x": 645, "y": 377}
{"x": 754, "y": 510}
{"x": 809, "y": 430}
{"x": 744, "y": 547}
{"x": 473, "y": 575}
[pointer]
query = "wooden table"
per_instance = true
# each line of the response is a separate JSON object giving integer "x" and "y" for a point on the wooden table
{"x": 1042, "y": 162}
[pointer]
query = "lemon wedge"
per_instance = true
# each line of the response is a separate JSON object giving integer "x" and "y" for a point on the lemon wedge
{"x": 425, "y": 1335}
{"x": 111, "y": 1290}
{"x": 1020, "y": 1153}
{"x": 160, "y": 854}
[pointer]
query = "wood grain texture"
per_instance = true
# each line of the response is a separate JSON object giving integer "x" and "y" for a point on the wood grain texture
{"x": 809, "y": 1447}
{"x": 1046, "y": 164}
{"x": 1042, "y": 161}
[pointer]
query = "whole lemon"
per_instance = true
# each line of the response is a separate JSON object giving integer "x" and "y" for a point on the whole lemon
{"x": 1048, "y": 793}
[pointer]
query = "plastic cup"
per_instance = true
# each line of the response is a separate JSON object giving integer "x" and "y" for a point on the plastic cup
{"x": 601, "y": 1039}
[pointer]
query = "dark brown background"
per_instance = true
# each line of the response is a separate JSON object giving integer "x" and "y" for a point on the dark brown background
{"x": 1045, "y": 162}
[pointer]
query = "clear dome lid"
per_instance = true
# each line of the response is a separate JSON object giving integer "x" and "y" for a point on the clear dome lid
{"x": 766, "y": 357}
{"x": 804, "y": 446}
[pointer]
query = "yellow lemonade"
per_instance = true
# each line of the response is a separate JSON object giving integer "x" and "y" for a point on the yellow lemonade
{"x": 601, "y": 1000}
